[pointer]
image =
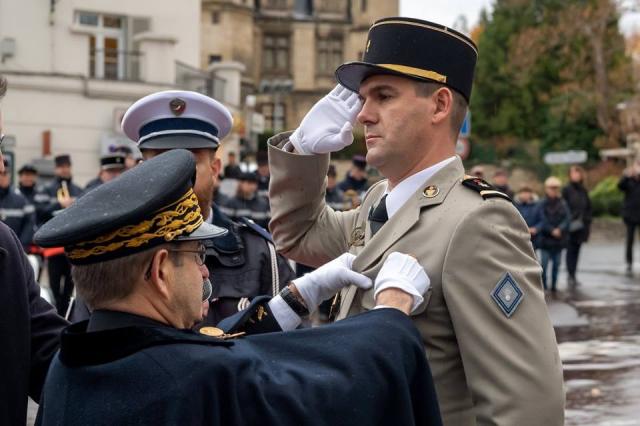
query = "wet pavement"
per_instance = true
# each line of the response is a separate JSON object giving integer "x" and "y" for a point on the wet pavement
{"x": 598, "y": 329}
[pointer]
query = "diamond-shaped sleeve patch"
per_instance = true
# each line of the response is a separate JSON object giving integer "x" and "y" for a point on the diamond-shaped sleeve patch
{"x": 507, "y": 295}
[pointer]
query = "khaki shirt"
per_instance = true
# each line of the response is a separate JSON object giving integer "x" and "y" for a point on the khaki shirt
{"x": 489, "y": 368}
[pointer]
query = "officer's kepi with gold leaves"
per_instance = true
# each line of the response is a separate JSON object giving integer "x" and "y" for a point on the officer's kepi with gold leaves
{"x": 149, "y": 205}
{"x": 415, "y": 49}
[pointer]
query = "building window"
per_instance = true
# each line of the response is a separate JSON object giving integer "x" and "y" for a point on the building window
{"x": 108, "y": 56}
{"x": 329, "y": 54}
{"x": 215, "y": 17}
{"x": 277, "y": 4}
{"x": 275, "y": 53}
{"x": 215, "y": 58}
{"x": 363, "y": 5}
{"x": 274, "y": 116}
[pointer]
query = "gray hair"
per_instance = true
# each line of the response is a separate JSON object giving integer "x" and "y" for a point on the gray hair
{"x": 112, "y": 280}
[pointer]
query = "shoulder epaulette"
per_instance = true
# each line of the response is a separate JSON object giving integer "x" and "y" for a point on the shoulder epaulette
{"x": 485, "y": 189}
{"x": 256, "y": 228}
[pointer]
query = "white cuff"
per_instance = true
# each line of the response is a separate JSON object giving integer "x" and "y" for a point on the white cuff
{"x": 284, "y": 315}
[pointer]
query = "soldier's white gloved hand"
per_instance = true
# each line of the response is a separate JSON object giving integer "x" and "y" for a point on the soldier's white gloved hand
{"x": 405, "y": 273}
{"x": 324, "y": 282}
{"x": 328, "y": 126}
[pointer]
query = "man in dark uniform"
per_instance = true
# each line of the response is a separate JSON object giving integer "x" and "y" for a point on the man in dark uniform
{"x": 247, "y": 204}
{"x": 137, "y": 361}
{"x": 111, "y": 166}
{"x": 55, "y": 197}
{"x": 15, "y": 210}
{"x": 243, "y": 263}
{"x": 263, "y": 174}
{"x": 27, "y": 183}
{"x": 29, "y": 326}
{"x": 356, "y": 178}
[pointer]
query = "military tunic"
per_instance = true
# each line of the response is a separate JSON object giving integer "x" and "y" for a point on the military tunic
{"x": 492, "y": 364}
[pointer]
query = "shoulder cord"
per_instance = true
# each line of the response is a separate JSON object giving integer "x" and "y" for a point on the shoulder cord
{"x": 275, "y": 274}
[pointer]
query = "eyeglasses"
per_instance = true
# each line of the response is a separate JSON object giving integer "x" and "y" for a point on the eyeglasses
{"x": 201, "y": 253}
{"x": 2, "y": 135}
{"x": 200, "y": 258}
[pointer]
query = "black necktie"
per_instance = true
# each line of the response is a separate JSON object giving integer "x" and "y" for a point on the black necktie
{"x": 378, "y": 216}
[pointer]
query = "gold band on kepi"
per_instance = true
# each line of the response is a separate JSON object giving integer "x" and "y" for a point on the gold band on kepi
{"x": 415, "y": 49}
{"x": 181, "y": 217}
{"x": 149, "y": 205}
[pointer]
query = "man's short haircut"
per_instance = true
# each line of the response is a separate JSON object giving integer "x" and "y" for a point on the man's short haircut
{"x": 458, "y": 109}
{"x": 113, "y": 280}
{"x": 3, "y": 86}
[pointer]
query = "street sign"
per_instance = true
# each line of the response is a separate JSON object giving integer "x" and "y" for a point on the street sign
{"x": 257, "y": 123}
{"x": 565, "y": 157}
{"x": 463, "y": 148}
{"x": 465, "y": 130}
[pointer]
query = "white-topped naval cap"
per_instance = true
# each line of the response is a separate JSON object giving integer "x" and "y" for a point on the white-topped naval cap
{"x": 177, "y": 119}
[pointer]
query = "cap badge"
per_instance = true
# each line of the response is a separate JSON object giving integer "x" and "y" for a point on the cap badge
{"x": 368, "y": 45}
{"x": 177, "y": 106}
{"x": 431, "y": 191}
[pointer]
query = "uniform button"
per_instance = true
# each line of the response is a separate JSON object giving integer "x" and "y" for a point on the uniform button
{"x": 211, "y": 331}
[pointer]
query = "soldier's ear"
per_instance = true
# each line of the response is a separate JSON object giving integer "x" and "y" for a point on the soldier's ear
{"x": 216, "y": 166}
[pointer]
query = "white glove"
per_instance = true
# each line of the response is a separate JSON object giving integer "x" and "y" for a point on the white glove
{"x": 325, "y": 281}
{"x": 328, "y": 126}
{"x": 405, "y": 273}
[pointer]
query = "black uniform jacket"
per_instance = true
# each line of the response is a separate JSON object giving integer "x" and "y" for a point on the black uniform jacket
{"x": 370, "y": 369}
{"x": 29, "y": 332}
{"x": 47, "y": 201}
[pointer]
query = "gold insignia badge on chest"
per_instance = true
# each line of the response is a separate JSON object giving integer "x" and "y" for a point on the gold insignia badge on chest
{"x": 357, "y": 237}
{"x": 431, "y": 191}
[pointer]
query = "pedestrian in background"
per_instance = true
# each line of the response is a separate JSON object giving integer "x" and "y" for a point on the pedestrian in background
{"x": 553, "y": 226}
{"x": 501, "y": 182}
{"x": 57, "y": 196}
{"x": 232, "y": 170}
{"x": 630, "y": 185}
{"x": 263, "y": 174}
{"x": 526, "y": 201}
{"x": 577, "y": 199}
{"x": 247, "y": 204}
{"x": 29, "y": 327}
{"x": 15, "y": 209}
{"x": 356, "y": 178}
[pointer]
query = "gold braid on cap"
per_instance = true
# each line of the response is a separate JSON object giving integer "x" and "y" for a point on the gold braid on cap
{"x": 176, "y": 219}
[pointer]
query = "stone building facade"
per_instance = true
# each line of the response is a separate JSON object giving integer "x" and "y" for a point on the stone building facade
{"x": 290, "y": 48}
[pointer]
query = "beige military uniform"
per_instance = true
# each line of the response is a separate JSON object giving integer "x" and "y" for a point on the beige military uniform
{"x": 489, "y": 368}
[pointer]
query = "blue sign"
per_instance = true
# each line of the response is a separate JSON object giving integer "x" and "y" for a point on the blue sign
{"x": 465, "y": 130}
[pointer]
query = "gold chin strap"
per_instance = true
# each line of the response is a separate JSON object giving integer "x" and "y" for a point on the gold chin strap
{"x": 419, "y": 72}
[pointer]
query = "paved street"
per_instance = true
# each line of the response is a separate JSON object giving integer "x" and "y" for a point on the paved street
{"x": 598, "y": 329}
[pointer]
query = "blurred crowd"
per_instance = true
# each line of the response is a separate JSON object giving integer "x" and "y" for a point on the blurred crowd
{"x": 559, "y": 220}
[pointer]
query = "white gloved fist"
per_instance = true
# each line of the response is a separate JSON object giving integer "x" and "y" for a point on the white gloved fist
{"x": 405, "y": 273}
{"x": 327, "y": 280}
{"x": 328, "y": 126}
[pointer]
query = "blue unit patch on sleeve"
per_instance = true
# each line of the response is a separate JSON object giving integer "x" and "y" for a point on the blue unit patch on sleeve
{"x": 507, "y": 295}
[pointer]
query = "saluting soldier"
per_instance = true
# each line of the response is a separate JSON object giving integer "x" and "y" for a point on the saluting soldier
{"x": 484, "y": 322}
{"x": 244, "y": 262}
{"x": 140, "y": 266}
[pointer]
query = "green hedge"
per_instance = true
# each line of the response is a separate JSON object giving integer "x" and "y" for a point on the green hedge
{"x": 606, "y": 198}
